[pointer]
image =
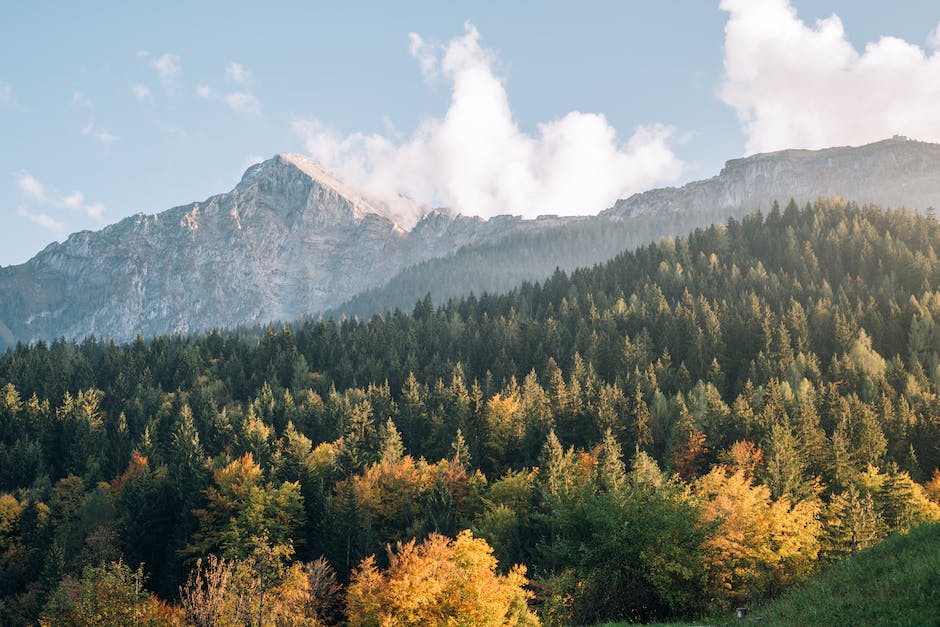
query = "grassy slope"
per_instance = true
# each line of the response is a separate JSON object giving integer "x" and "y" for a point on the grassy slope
{"x": 894, "y": 583}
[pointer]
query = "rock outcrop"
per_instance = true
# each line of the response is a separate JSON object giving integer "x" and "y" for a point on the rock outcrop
{"x": 896, "y": 172}
{"x": 288, "y": 241}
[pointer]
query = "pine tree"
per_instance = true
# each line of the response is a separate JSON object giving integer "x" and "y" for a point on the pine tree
{"x": 812, "y": 441}
{"x": 852, "y": 523}
{"x": 391, "y": 449}
{"x": 785, "y": 470}
{"x": 642, "y": 435}
{"x": 459, "y": 451}
{"x": 611, "y": 472}
{"x": 412, "y": 413}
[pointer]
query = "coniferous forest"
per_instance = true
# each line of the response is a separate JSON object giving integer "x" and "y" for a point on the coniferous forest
{"x": 697, "y": 424}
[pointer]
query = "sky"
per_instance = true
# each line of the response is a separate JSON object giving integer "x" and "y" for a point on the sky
{"x": 108, "y": 109}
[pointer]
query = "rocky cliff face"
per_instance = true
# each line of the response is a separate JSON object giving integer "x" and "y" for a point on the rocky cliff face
{"x": 291, "y": 240}
{"x": 288, "y": 241}
{"x": 892, "y": 173}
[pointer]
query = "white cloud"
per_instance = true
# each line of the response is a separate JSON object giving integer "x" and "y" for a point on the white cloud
{"x": 237, "y": 72}
{"x": 30, "y": 187}
{"x": 94, "y": 210}
{"x": 175, "y": 133}
{"x": 33, "y": 191}
{"x": 81, "y": 100}
{"x": 425, "y": 53}
{"x": 794, "y": 85}
{"x": 103, "y": 135}
{"x": 42, "y": 219}
{"x": 476, "y": 159}
{"x": 71, "y": 201}
{"x": 142, "y": 93}
{"x": 238, "y": 101}
{"x": 242, "y": 102}
{"x": 168, "y": 68}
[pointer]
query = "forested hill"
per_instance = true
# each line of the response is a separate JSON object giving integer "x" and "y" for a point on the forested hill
{"x": 694, "y": 425}
{"x": 895, "y": 172}
{"x": 496, "y": 267}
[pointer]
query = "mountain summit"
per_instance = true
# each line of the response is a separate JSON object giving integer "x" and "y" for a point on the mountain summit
{"x": 290, "y": 239}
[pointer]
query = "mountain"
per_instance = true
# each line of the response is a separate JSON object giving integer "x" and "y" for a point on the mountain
{"x": 289, "y": 240}
{"x": 897, "y": 172}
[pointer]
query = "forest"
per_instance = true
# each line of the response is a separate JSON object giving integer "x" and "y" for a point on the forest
{"x": 698, "y": 424}
{"x": 501, "y": 265}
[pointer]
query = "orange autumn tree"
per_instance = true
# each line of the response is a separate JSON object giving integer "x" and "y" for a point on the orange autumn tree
{"x": 439, "y": 581}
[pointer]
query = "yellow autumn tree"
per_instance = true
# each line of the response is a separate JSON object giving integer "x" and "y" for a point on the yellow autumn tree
{"x": 438, "y": 582}
{"x": 505, "y": 427}
{"x": 226, "y": 593}
{"x": 759, "y": 544}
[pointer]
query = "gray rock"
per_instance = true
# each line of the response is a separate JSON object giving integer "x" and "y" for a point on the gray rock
{"x": 896, "y": 172}
{"x": 288, "y": 241}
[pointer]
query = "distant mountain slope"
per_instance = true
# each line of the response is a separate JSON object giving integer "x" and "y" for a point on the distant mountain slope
{"x": 895, "y": 172}
{"x": 498, "y": 266}
{"x": 289, "y": 240}
{"x": 891, "y": 173}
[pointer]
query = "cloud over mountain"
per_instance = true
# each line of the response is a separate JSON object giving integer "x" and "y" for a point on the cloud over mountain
{"x": 799, "y": 86}
{"x": 477, "y": 160}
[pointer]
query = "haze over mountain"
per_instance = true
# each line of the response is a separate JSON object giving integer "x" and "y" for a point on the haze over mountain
{"x": 291, "y": 240}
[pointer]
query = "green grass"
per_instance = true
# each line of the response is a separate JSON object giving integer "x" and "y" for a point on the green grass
{"x": 894, "y": 583}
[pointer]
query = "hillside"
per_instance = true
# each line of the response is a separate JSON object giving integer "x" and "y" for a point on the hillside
{"x": 499, "y": 266}
{"x": 696, "y": 425}
{"x": 892, "y": 173}
{"x": 892, "y": 583}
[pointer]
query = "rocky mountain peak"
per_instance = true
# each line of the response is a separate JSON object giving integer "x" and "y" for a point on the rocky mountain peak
{"x": 289, "y": 172}
{"x": 289, "y": 240}
{"x": 292, "y": 239}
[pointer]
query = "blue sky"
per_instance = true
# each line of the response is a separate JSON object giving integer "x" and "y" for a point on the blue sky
{"x": 108, "y": 108}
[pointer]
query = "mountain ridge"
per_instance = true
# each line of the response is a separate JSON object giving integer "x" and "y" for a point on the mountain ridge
{"x": 891, "y": 173}
{"x": 288, "y": 240}
{"x": 292, "y": 239}
{"x": 846, "y": 171}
